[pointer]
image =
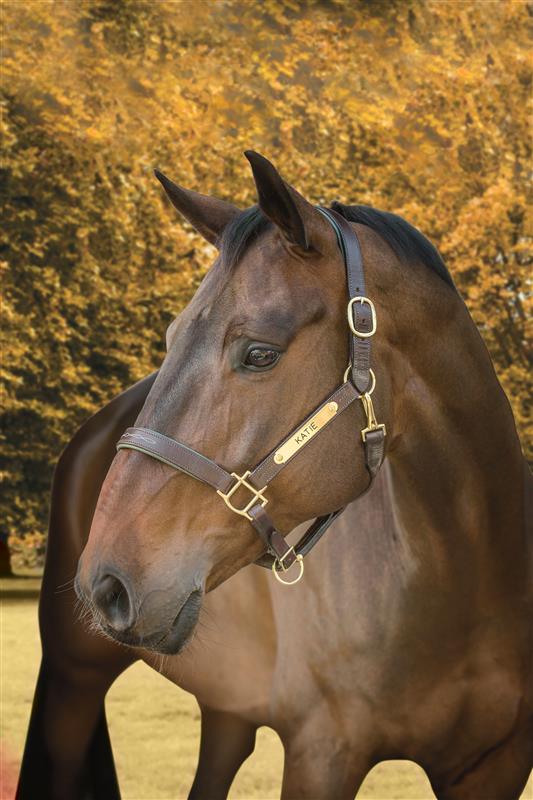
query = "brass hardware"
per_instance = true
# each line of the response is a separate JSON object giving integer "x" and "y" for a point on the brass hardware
{"x": 372, "y": 375}
{"x": 347, "y": 372}
{"x": 275, "y": 570}
{"x": 361, "y": 299}
{"x": 257, "y": 495}
{"x": 305, "y": 433}
{"x": 372, "y": 423}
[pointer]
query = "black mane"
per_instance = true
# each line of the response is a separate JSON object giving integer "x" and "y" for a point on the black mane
{"x": 404, "y": 239}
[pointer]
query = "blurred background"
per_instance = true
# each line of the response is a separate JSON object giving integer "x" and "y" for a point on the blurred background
{"x": 412, "y": 106}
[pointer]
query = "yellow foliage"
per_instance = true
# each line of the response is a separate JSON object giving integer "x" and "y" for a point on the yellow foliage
{"x": 418, "y": 107}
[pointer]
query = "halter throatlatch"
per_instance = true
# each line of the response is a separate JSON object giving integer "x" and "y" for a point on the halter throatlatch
{"x": 359, "y": 383}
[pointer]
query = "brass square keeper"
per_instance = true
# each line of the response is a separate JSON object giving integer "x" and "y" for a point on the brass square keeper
{"x": 257, "y": 495}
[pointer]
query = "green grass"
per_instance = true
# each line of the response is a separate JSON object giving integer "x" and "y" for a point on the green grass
{"x": 155, "y": 728}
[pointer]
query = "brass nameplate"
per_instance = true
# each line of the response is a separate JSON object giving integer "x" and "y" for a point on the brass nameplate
{"x": 305, "y": 433}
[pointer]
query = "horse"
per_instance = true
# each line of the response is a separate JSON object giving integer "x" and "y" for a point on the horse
{"x": 410, "y": 635}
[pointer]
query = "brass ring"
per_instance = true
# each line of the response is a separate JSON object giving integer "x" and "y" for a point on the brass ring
{"x": 300, "y": 560}
{"x": 372, "y": 375}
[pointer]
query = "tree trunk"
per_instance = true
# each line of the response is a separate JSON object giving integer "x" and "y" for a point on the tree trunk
{"x": 5, "y": 560}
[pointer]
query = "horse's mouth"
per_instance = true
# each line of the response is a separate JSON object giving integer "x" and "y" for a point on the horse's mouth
{"x": 181, "y": 630}
{"x": 174, "y": 638}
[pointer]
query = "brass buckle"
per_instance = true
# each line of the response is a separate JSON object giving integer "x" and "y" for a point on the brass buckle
{"x": 299, "y": 560}
{"x": 361, "y": 299}
{"x": 373, "y": 424}
{"x": 257, "y": 495}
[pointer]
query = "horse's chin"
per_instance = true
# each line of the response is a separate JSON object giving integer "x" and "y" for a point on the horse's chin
{"x": 174, "y": 639}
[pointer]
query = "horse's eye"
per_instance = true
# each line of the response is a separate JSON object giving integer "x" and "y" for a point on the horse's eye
{"x": 260, "y": 358}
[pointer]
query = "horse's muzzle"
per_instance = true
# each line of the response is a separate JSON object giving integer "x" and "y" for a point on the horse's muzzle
{"x": 151, "y": 624}
{"x": 114, "y": 604}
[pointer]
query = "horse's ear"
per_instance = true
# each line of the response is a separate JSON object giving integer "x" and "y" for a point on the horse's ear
{"x": 299, "y": 221}
{"x": 208, "y": 215}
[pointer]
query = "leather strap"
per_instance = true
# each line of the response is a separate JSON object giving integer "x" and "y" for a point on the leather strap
{"x": 176, "y": 455}
{"x": 361, "y": 312}
{"x": 276, "y": 546}
{"x": 304, "y": 545}
{"x": 184, "y": 458}
{"x": 267, "y": 469}
{"x": 374, "y": 451}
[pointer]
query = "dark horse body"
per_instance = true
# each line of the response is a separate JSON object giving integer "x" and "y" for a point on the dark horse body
{"x": 411, "y": 633}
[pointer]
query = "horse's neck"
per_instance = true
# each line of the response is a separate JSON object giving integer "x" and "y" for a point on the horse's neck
{"x": 457, "y": 471}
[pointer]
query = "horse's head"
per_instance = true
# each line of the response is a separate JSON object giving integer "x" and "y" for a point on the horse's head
{"x": 262, "y": 343}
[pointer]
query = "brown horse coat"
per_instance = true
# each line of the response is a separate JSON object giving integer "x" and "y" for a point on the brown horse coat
{"x": 411, "y": 636}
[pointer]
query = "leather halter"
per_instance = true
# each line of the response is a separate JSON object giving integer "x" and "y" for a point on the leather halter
{"x": 359, "y": 383}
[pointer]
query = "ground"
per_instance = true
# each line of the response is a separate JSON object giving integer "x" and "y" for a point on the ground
{"x": 153, "y": 726}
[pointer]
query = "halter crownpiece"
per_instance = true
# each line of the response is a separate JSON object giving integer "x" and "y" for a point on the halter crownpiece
{"x": 359, "y": 383}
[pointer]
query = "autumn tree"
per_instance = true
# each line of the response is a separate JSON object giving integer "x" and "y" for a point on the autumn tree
{"x": 416, "y": 107}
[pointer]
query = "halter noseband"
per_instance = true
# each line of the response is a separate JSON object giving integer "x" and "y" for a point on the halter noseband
{"x": 359, "y": 383}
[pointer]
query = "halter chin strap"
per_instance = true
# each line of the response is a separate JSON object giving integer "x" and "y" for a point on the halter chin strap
{"x": 359, "y": 383}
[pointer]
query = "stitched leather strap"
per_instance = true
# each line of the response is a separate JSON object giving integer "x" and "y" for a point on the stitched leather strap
{"x": 267, "y": 469}
{"x": 374, "y": 451}
{"x": 361, "y": 312}
{"x": 304, "y": 545}
{"x": 176, "y": 455}
{"x": 275, "y": 544}
{"x": 185, "y": 459}
{"x": 362, "y": 320}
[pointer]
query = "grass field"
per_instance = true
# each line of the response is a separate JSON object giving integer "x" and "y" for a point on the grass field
{"x": 155, "y": 729}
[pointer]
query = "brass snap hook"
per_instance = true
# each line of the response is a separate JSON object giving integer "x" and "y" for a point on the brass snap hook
{"x": 372, "y": 423}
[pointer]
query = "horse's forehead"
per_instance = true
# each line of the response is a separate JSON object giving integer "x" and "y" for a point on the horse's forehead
{"x": 266, "y": 272}
{"x": 267, "y": 264}
{"x": 269, "y": 276}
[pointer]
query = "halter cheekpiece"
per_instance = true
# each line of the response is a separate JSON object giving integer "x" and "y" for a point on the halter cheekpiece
{"x": 359, "y": 383}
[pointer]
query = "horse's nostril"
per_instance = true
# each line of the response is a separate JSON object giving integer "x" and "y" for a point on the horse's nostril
{"x": 111, "y": 598}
